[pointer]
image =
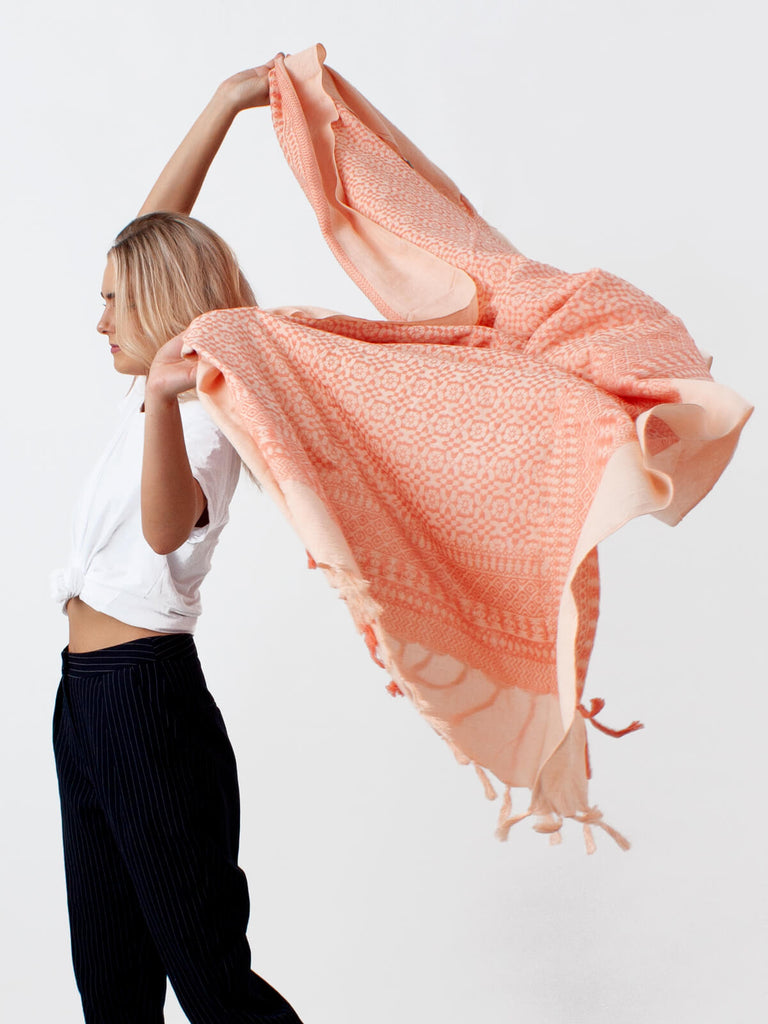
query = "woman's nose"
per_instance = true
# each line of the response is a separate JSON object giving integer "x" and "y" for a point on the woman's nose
{"x": 105, "y": 324}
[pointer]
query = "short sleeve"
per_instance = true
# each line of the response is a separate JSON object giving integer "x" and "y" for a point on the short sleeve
{"x": 214, "y": 463}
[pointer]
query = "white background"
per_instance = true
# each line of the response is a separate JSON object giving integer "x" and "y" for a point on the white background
{"x": 593, "y": 133}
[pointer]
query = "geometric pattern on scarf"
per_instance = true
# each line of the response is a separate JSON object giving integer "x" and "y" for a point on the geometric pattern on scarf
{"x": 452, "y": 467}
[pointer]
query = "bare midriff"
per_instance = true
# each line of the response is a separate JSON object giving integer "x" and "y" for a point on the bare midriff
{"x": 90, "y": 630}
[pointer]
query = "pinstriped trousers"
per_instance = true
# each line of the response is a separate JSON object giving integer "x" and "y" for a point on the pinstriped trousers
{"x": 151, "y": 820}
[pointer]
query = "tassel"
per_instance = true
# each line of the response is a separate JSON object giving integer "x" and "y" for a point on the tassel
{"x": 393, "y": 689}
{"x": 311, "y": 563}
{"x": 596, "y": 705}
{"x": 372, "y": 643}
{"x": 617, "y": 837}
{"x": 505, "y": 810}
{"x": 490, "y": 792}
{"x": 549, "y": 824}
{"x": 594, "y": 816}
{"x": 502, "y": 832}
{"x": 589, "y": 839}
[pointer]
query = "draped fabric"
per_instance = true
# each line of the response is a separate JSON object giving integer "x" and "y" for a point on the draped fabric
{"x": 452, "y": 468}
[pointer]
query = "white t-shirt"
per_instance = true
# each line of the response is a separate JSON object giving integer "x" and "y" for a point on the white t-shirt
{"x": 111, "y": 566}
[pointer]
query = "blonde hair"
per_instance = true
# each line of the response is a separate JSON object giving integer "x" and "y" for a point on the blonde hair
{"x": 170, "y": 268}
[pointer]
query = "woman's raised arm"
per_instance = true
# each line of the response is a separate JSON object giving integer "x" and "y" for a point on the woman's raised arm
{"x": 182, "y": 177}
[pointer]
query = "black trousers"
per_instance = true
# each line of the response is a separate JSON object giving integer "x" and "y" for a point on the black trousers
{"x": 151, "y": 820}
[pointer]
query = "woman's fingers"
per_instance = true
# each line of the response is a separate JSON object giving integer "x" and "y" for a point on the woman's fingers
{"x": 170, "y": 351}
{"x": 170, "y": 372}
{"x": 249, "y": 88}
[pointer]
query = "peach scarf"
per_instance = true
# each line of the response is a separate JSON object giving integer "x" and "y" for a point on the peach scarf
{"x": 453, "y": 478}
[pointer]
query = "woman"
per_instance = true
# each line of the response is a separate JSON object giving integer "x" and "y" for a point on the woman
{"x": 147, "y": 776}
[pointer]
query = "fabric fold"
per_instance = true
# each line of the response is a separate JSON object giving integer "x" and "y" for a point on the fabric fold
{"x": 452, "y": 468}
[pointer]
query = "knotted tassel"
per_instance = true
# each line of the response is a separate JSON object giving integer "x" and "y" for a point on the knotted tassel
{"x": 393, "y": 689}
{"x": 594, "y": 816}
{"x": 589, "y": 839}
{"x": 372, "y": 644}
{"x": 596, "y": 705}
{"x": 490, "y": 792}
{"x": 550, "y": 824}
{"x": 505, "y": 811}
{"x": 502, "y": 832}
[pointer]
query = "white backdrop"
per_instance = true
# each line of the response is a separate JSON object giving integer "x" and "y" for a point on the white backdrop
{"x": 603, "y": 132}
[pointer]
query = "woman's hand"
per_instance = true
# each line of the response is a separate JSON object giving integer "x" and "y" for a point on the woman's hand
{"x": 170, "y": 372}
{"x": 248, "y": 88}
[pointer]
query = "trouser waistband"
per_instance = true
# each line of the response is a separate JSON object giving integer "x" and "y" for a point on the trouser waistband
{"x": 149, "y": 648}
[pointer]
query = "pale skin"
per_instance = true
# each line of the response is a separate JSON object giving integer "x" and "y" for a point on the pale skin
{"x": 172, "y": 501}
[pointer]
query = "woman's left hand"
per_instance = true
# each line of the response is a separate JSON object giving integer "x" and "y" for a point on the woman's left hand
{"x": 170, "y": 372}
{"x": 248, "y": 88}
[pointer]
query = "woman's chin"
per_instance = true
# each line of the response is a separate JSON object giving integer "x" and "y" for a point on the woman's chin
{"x": 123, "y": 363}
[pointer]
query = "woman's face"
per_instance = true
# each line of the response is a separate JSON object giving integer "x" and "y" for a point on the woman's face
{"x": 122, "y": 361}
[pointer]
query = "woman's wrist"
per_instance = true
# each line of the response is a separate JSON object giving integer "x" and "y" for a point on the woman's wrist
{"x": 225, "y": 101}
{"x": 157, "y": 394}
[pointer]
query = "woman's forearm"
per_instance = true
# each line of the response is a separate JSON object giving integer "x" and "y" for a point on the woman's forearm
{"x": 181, "y": 179}
{"x": 172, "y": 501}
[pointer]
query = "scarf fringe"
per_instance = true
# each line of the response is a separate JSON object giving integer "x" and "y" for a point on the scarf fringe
{"x": 355, "y": 591}
{"x": 551, "y": 825}
{"x": 490, "y": 792}
{"x": 594, "y": 816}
{"x": 503, "y": 829}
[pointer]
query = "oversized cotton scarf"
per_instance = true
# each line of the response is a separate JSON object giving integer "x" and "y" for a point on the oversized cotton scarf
{"x": 453, "y": 478}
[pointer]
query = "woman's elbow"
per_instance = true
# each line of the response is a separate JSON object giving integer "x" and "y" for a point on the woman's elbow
{"x": 163, "y": 541}
{"x": 166, "y": 528}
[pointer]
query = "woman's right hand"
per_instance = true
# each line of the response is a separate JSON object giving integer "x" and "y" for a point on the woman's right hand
{"x": 248, "y": 88}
